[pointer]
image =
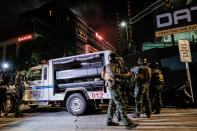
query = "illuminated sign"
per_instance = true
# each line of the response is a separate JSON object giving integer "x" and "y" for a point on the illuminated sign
{"x": 24, "y": 38}
{"x": 98, "y": 36}
{"x": 176, "y": 21}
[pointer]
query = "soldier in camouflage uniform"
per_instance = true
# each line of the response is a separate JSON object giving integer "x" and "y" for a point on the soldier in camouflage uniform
{"x": 125, "y": 81}
{"x": 124, "y": 84}
{"x": 3, "y": 90}
{"x": 156, "y": 87}
{"x": 142, "y": 80}
{"x": 3, "y": 98}
{"x": 111, "y": 77}
{"x": 20, "y": 89}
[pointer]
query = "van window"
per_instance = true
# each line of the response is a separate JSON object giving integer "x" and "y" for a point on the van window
{"x": 45, "y": 73}
{"x": 35, "y": 75}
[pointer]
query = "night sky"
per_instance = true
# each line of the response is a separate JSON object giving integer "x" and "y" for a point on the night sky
{"x": 99, "y": 14}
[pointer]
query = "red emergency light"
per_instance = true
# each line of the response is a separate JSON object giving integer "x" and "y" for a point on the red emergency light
{"x": 36, "y": 71}
{"x": 98, "y": 36}
{"x": 24, "y": 38}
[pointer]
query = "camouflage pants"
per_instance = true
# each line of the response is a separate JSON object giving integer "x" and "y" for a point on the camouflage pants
{"x": 18, "y": 103}
{"x": 156, "y": 100}
{"x": 3, "y": 100}
{"x": 143, "y": 97}
{"x": 117, "y": 113}
{"x": 115, "y": 103}
{"x": 1, "y": 107}
{"x": 126, "y": 92}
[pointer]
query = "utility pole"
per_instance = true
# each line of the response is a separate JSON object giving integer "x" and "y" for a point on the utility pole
{"x": 118, "y": 27}
{"x": 129, "y": 29}
{"x": 129, "y": 25}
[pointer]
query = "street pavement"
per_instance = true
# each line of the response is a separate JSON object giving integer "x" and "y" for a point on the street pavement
{"x": 55, "y": 119}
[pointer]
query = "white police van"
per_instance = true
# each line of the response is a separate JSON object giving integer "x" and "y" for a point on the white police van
{"x": 74, "y": 81}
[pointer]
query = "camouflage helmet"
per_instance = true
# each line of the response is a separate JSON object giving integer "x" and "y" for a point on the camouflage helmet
{"x": 142, "y": 61}
{"x": 145, "y": 61}
{"x": 155, "y": 65}
{"x": 120, "y": 60}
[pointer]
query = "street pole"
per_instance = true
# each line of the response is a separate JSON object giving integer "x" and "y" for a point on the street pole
{"x": 189, "y": 79}
{"x": 124, "y": 25}
{"x": 185, "y": 56}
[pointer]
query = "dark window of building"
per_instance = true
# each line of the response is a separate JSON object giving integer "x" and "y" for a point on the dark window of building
{"x": 11, "y": 52}
{"x": 67, "y": 18}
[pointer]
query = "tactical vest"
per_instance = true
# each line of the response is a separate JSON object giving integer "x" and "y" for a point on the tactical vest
{"x": 110, "y": 72}
{"x": 157, "y": 77}
{"x": 143, "y": 75}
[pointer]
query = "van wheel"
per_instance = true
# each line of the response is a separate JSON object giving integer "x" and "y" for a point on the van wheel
{"x": 76, "y": 104}
{"x": 10, "y": 104}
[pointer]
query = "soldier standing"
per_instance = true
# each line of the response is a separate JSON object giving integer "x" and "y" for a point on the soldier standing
{"x": 111, "y": 76}
{"x": 142, "y": 80}
{"x": 5, "y": 78}
{"x": 125, "y": 80}
{"x": 3, "y": 98}
{"x": 123, "y": 84}
{"x": 3, "y": 91}
{"x": 19, "y": 93}
{"x": 156, "y": 86}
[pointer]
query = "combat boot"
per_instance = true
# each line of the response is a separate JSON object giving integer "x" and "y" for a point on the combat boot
{"x": 157, "y": 112}
{"x": 16, "y": 115}
{"x": 112, "y": 124}
{"x": 148, "y": 116}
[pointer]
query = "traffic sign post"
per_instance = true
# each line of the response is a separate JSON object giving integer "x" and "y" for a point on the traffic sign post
{"x": 185, "y": 56}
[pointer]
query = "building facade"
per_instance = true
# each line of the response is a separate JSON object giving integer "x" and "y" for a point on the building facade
{"x": 54, "y": 21}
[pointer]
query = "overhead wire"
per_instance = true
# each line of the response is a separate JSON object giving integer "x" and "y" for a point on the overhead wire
{"x": 147, "y": 11}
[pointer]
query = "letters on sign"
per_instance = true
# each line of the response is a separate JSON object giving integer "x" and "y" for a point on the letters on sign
{"x": 176, "y": 19}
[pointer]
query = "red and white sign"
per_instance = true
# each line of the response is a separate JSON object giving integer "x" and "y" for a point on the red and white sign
{"x": 98, "y": 95}
{"x": 184, "y": 50}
